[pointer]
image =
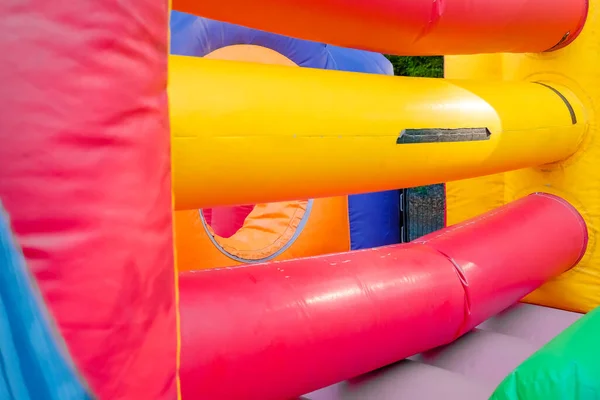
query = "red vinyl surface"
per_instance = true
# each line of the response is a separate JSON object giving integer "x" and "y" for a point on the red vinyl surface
{"x": 85, "y": 178}
{"x": 226, "y": 221}
{"x": 409, "y": 27}
{"x": 279, "y": 330}
{"x": 511, "y": 251}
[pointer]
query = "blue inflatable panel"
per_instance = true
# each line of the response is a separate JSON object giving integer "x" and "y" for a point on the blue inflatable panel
{"x": 374, "y": 218}
{"x": 34, "y": 365}
{"x": 196, "y": 36}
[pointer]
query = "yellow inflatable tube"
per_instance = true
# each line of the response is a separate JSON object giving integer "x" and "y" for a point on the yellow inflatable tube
{"x": 261, "y": 133}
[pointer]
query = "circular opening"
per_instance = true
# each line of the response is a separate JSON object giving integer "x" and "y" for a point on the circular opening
{"x": 256, "y": 233}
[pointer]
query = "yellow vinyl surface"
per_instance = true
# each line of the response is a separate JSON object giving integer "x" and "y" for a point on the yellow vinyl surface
{"x": 248, "y": 133}
{"x": 574, "y": 179}
{"x": 577, "y": 179}
{"x": 471, "y": 197}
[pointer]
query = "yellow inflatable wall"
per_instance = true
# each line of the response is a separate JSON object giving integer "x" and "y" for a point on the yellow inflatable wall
{"x": 575, "y": 179}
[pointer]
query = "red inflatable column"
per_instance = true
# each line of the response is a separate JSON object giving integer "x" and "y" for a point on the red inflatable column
{"x": 85, "y": 177}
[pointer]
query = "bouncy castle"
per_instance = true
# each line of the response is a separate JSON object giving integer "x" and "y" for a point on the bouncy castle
{"x": 201, "y": 200}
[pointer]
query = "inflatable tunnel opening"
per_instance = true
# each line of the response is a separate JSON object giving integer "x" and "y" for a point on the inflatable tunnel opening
{"x": 255, "y": 233}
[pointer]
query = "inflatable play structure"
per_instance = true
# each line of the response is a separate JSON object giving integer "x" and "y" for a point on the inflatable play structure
{"x": 193, "y": 209}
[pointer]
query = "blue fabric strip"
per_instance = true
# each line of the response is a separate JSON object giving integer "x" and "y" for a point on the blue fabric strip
{"x": 34, "y": 364}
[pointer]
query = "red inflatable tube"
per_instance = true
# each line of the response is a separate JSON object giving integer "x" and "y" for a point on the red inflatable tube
{"x": 279, "y": 330}
{"x": 504, "y": 254}
{"x": 409, "y": 27}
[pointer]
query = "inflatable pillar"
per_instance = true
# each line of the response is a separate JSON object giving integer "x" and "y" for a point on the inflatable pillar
{"x": 85, "y": 179}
